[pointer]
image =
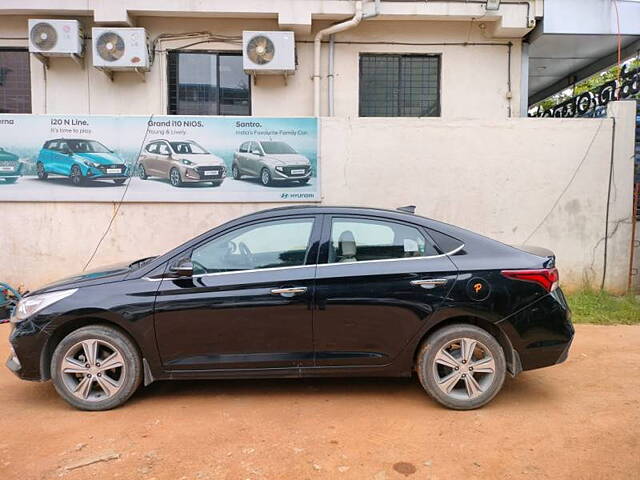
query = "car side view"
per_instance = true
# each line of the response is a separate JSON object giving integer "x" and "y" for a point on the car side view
{"x": 302, "y": 292}
{"x": 271, "y": 162}
{"x": 80, "y": 160}
{"x": 181, "y": 162}
{"x": 10, "y": 166}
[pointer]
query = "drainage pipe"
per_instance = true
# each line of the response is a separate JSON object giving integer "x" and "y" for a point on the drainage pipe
{"x": 332, "y": 51}
{"x": 317, "y": 43}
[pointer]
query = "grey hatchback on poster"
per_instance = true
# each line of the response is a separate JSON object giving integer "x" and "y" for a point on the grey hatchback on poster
{"x": 271, "y": 162}
{"x": 181, "y": 162}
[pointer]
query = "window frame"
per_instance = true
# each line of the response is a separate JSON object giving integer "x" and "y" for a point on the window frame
{"x": 401, "y": 55}
{"x": 311, "y": 255}
{"x": 323, "y": 254}
{"x": 22, "y": 50}
{"x": 218, "y": 54}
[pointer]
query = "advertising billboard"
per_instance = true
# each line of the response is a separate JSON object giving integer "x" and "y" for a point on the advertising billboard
{"x": 103, "y": 158}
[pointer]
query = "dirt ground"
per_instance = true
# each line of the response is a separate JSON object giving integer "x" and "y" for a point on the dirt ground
{"x": 577, "y": 420}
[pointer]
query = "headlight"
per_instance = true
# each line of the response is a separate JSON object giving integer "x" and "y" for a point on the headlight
{"x": 187, "y": 162}
{"x": 91, "y": 164}
{"x": 31, "y": 305}
{"x": 280, "y": 169}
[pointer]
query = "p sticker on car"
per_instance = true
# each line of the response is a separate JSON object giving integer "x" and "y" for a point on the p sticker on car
{"x": 478, "y": 289}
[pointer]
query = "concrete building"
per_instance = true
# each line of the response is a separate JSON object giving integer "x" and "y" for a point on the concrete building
{"x": 466, "y": 71}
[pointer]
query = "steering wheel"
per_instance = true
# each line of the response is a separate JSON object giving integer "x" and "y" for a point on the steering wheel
{"x": 246, "y": 253}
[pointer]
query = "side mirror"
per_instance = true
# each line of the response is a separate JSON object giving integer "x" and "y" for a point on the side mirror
{"x": 183, "y": 268}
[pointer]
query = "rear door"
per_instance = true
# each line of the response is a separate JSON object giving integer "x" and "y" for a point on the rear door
{"x": 378, "y": 282}
{"x": 248, "y": 304}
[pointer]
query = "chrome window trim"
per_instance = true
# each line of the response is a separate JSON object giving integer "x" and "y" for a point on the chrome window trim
{"x": 270, "y": 269}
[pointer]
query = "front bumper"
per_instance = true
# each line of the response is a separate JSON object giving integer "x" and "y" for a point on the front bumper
{"x": 212, "y": 173}
{"x": 7, "y": 171}
{"x": 291, "y": 173}
{"x": 541, "y": 333}
{"x": 103, "y": 173}
{"x": 27, "y": 342}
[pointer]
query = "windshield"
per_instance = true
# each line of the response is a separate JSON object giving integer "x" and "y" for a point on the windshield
{"x": 275, "y": 148}
{"x": 188, "y": 148}
{"x": 87, "y": 146}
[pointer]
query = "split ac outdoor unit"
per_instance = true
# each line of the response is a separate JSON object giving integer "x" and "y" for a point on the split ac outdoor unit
{"x": 121, "y": 49}
{"x": 55, "y": 38}
{"x": 268, "y": 52}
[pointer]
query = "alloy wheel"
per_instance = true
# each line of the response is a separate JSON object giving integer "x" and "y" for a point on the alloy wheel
{"x": 464, "y": 368}
{"x": 265, "y": 177}
{"x": 93, "y": 370}
{"x": 174, "y": 177}
{"x": 76, "y": 175}
{"x": 42, "y": 175}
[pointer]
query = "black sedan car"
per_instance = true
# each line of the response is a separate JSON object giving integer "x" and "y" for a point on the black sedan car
{"x": 302, "y": 292}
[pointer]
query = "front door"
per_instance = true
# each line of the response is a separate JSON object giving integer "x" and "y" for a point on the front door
{"x": 248, "y": 304}
{"x": 377, "y": 283}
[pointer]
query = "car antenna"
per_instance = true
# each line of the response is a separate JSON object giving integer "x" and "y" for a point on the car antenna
{"x": 407, "y": 209}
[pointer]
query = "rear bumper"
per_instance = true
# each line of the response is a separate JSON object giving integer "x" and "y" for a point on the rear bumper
{"x": 541, "y": 333}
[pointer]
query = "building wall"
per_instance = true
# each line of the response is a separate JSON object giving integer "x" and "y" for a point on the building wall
{"x": 540, "y": 181}
{"x": 473, "y": 78}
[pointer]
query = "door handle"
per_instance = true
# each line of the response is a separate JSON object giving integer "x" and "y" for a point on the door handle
{"x": 429, "y": 283}
{"x": 289, "y": 291}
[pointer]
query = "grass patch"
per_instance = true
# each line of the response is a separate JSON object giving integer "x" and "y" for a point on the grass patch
{"x": 588, "y": 306}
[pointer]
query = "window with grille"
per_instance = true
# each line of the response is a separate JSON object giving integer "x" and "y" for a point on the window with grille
{"x": 207, "y": 83}
{"x": 15, "y": 81}
{"x": 399, "y": 85}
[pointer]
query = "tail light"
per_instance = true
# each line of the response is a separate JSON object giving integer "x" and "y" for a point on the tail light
{"x": 547, "y": 278}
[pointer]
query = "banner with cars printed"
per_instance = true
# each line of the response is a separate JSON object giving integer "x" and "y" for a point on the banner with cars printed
{"x": 96, "y": 158}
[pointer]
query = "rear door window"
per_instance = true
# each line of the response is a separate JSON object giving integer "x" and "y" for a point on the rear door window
{"x": 362, "y": 239}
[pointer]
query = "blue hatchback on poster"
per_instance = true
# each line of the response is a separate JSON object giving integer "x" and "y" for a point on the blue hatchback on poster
{"x": 80, "y": 160}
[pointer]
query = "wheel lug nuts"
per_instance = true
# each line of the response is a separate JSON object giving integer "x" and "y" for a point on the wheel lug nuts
{"x": 464, "y": 376}
{"x": 97, "y": 364}
{"x": 464, "y": 361}
{"x": 88, "y": 375}
{"x": 457, "y": 368}
{"x": 99, "y": 374}
{"x": 471, "y": 369}
{"x": 87, "y": 365}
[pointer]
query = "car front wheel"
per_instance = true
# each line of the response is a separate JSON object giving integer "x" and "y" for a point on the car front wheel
{"x": 461, "y": 366}
{"x": 174, "y": 177}
{"x": 235, "y": 171}
{"x": 76, "y": 175}
{"x": 96, "y": 368}
{"x": 42, "y": 174}
{"x": 265, "y": 177}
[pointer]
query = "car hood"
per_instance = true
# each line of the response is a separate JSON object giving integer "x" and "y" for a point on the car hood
{"x": 201, "y": 159}
{"x": 104, "y": 274}
{"x": 8, "y": 156}
{"x": 288, "y": 159}
{"x": 101, "y": 158}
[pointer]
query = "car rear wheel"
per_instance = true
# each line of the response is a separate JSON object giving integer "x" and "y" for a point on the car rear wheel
{"x": 76, "y": 175}
{"x": 461, "y": 366}
{"x": 174, "y": 177}
{"x": 42, "y": 174}
{"x": 265, "y": 177}
{"x": 142, "y": 173}
{"x": 119, "y": 181}
{"x": 235, "y": 171}
{"x": 96, "y": 368}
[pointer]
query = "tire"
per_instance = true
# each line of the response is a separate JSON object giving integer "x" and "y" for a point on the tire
{"x": 265, "y": 177}
{"x": 463, "y": 395}
{"x": 174, "y": 177}
{"x": 235, "y": 171}
{"x": 42, "y": 174}
{"x": 11, "y": 180}
{"x": 142, "y": 173}
{"x": 108, "y": 340}
{"x": 76, "y": 176}
{"x": 119, "y": 181}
